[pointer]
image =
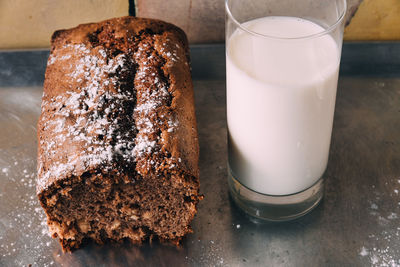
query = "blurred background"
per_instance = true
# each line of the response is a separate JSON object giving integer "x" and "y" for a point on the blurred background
{"x": 29, "y": 24}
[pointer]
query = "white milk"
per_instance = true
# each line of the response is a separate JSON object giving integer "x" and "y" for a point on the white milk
{"x": 280, "y": 104}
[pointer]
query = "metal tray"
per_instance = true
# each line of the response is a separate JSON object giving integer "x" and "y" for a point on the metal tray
{"x": 357, "y": 224}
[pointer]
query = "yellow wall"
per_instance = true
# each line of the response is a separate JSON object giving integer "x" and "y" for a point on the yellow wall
{"x": 375, "y": 20}
{"x": 30, "y": 23}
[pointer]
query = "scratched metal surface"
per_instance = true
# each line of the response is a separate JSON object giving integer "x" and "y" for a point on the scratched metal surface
{"x": 357, "y": 224}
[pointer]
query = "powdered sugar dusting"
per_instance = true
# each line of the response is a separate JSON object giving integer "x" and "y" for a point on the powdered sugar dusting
{"x": 381, "y": 250}
{"x": 79, "y": 118}
{"x": 364, "y": 252}
{"x": 87, "y": 119}
{"x": 170, "y": 50}
{"x": 24, "y": 236}
{"x": 5, "y": 171}
{"x": 153, "y": 98}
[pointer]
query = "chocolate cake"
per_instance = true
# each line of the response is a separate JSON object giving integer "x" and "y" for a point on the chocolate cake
{"x": 117, "y": 137}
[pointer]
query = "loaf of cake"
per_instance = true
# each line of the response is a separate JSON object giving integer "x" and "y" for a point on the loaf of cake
{"x": 117, "y": 137}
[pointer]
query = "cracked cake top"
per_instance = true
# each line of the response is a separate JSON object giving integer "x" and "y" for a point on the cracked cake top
{"x": 113, "y": 102}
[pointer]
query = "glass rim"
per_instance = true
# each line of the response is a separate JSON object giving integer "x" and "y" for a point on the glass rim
{"x": 331, "y": 27}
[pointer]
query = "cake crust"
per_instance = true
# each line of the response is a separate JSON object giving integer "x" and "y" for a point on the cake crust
{"x": 118, "y": 127}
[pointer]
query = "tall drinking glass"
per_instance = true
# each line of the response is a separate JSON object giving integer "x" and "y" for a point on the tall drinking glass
{"x": 282, "y": 65}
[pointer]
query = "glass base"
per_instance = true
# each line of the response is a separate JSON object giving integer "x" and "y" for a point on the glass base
{"x": 275, "y": 208}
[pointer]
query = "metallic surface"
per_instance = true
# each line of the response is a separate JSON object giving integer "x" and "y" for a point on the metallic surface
{"x": 356, "y": 224}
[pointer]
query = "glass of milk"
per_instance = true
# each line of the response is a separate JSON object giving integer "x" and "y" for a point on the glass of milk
{"x": 282, "y": 65}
